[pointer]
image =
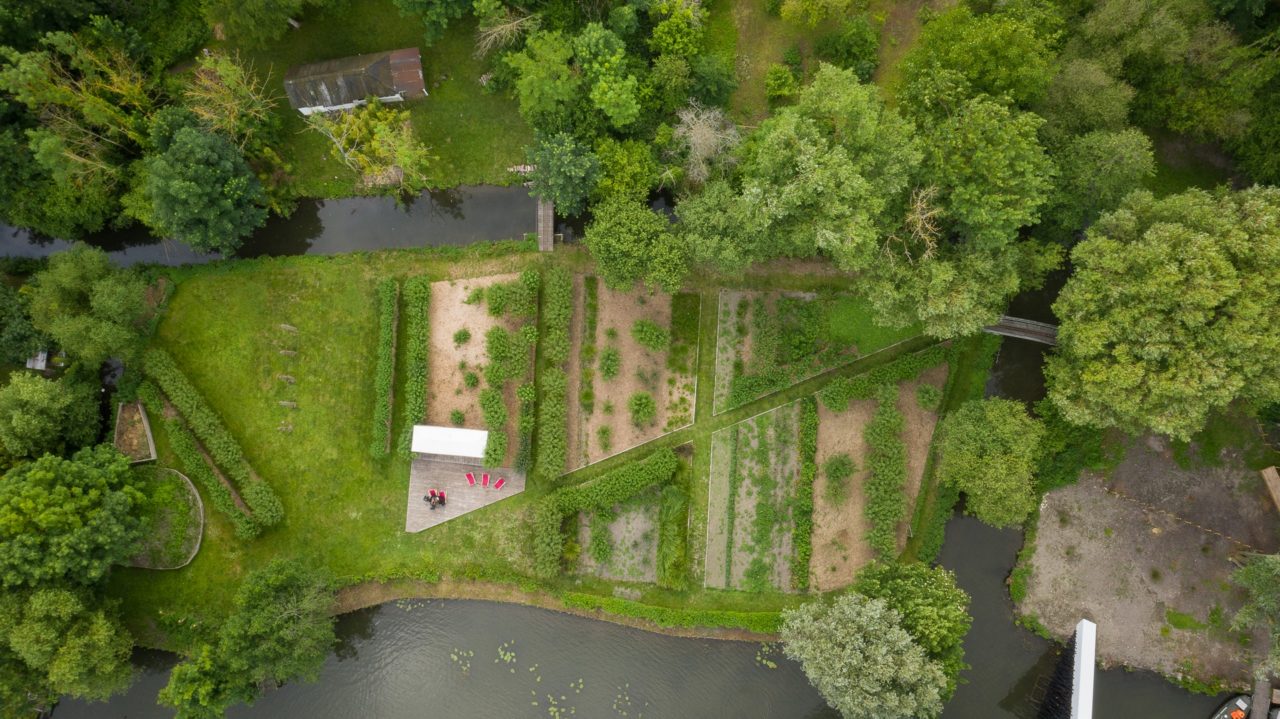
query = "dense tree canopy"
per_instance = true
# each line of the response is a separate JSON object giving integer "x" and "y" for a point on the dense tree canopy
{"x": 19, "y": 339}
{"x": 279, "y": 630}
{"x": 857, "y": 655}
{"x": 989, "y": 451}
{"x": 566, "y": 172}
{"x": 1171, "y": 312}
{"x": 1259, "y": 577}
{"x": 67, "y": 519}
{"x": 1095, "y": 172}
{"x": 256, "y": 22}
{"x": 39, "y": 416}
{"x": 630, "y": 242}
{"x": 88, "y": 306}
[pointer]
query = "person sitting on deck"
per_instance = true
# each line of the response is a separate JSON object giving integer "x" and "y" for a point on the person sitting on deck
{"x": 440, "y": 498}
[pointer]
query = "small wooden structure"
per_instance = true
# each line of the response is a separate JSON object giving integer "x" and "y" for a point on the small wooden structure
{"x": 1019, "y": 328}
{"x": 1271, "y": 478}
{"x": 546, "y": 225}
{"x": 346, "y": 82}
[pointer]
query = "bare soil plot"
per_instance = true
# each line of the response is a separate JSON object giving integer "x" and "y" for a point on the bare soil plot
{"x": 755, "y": 467}
{"x": 133, "y": 433}
{"x": 641, "y": 371}
{"x": 917, "y": 434}
{"x": 840, "y": 529}
{"x": 633, "y": 535}
{"x": 1158, "y": 585}
{"x": 449, "y": 363}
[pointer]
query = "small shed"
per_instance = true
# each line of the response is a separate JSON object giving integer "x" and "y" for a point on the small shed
{"x": 449, "y": 442}
{"x": 346, "y": 82}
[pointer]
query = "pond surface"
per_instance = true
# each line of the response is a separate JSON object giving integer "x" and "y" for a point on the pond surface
{"x": 458, "y": 216}
{"x": 394, "y": 662}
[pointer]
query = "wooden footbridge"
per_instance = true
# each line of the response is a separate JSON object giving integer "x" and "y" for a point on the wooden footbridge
{"x": 1042, "y": 332}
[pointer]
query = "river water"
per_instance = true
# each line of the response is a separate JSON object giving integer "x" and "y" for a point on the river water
{"x": 395, "y": 660}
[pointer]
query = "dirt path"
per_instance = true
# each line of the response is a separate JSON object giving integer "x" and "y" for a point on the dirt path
{"x": 917, "y": 435}
{"x": 449, "y": 363}
{"x": 839, "y": 542}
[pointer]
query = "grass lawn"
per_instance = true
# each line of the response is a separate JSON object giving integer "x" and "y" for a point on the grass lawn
{"x": 765, "y": 38}
{"x": 475, "y": 135}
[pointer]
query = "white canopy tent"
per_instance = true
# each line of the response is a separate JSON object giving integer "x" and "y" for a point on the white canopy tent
{"x": 449, "y": 441}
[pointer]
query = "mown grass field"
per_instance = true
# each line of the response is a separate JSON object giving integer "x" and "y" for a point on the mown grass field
{"x": 474, "y": 135}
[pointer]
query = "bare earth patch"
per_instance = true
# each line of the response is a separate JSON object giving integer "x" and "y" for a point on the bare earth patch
{"x": 642, "y": 370}
{"x": 839, "y": 542}
{"x": 1108, "y": 559}
{"x": 131, "y": 436}
{"x": 449, "y": 363}
{"x": 635, "y": 543}
{"x": 917, "y": 435}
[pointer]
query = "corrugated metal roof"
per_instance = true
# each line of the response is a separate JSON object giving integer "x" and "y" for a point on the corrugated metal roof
{"x": 345, "y": 80}
{"x": 452, "y": 441}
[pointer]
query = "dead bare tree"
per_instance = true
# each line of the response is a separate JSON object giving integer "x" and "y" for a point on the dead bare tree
{"x": 922, "y": 228}
{"x": 503, "y": 29}
{"x": 706, "y": 135}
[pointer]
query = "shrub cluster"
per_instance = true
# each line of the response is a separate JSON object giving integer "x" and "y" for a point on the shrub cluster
{"x": 417, "y": 301}
{"x": 508, "y": 353}
{"x": 643, "y": 409}
{"x": 837, "y": 395}
{"x": 526, "y": 420}
{"x": 384, "y": 372}
{"x": 553, "y": 384}
{"x": 183, "y": 444}
{"x": 673, "y": 539}
{"x": 601, "y": 543}
{"x": 928, "y": 397}
{"x": 518, "y": 298}
{"x": 598, "y": 494}
{"x": 493, "y": 410}
{"x": 610, "y": 362}
{"x": 838, "y": 469}
{"x": 887, "y": 465}
{"x": 760, "y": 622}
{"x": 651, "y": 336}
{"x": 802, "y": 509}
{"x": 205, "y": 423}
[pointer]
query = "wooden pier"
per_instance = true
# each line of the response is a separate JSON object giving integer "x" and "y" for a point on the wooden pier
{"x": 546, "y": 225}
{"x": 1019, "y": 328}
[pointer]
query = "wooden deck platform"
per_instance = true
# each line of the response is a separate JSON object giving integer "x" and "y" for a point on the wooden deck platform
{"x": 450, "y": 475}
{"x": 546, "y": 225}
{"x": 1042, "y": 332}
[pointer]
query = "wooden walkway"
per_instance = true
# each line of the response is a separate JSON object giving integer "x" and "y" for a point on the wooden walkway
{"x": 546, "y": 225}
{"x": 430, "y": 473}
{"x": 1042, "y": 332}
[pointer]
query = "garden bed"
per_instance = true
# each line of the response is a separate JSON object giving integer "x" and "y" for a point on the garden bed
{"x": 133, "y": 433}
{"x": 629, "y": 393}
{"x": 767, "y": 341}
{"x": 627, "y": 549}
{"x": 755, "y": 468}
{"x": 173, "y": 521}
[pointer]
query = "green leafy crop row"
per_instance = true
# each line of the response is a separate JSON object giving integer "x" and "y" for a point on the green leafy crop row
{"x": 384, "y": 373}
{"x": 673, "y": 539}
{"x": 205, "y": 423}
{"x": 417, "y": 302}
{"x": 887, "y": 462}
{"x": 837, "y": 395}
{"x": 516, "y": 299}
{"x": 553, "y": 410}
{"x": 802, "y": 510}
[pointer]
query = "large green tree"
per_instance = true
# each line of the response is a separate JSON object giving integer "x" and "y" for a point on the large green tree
{"x": 255, "y": 23}
{"x": 202, "y": 191}
{"x": 989, "y": 450}
{"x": 1259, "y": 577}
{"x": 1095, "y": 172}
{"x": 935, "y": 611}
{"x": 1171, "y": 312}
{"x": 39, "y": 416}
{"x": 630, "y": 242}
{"x": 67, "y": 520}
{"x": 566, "y": 171}
{"x": 87, "y": 305}
{"x": 279, "y": 630}
{"x": 19, "y": 339}
{"x": 857, "y": 655}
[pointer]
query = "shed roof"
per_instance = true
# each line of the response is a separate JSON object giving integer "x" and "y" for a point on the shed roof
{"x": 450, "y": 441}
{"x": 346, "y": 80}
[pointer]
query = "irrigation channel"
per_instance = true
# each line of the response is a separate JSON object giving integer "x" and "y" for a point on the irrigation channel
{"x": 443, "y": 658}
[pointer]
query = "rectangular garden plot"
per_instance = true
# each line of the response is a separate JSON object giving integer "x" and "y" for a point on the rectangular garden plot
{"x": 767, "y": 341}
{"x": 621, "y": 544}
{"x": 133, "y": 433}
{"x": 633, "y": 369}
{"x": 755, "y": 470}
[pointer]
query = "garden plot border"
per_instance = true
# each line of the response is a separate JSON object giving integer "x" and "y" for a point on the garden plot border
{"x": 693, "y": 414}
{"x": 146, "y": 426}
{"x": 191, "y": 489}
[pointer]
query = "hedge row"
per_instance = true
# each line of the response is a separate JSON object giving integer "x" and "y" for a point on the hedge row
{"x": 493, "y": 409}
{"x": 802, "y": 510}
{"x": 183, "y": 444}
{"x": 553, "y": 411}
{"x": 526, "y": 421}
{"x": 759, "y": 622}
{"x": 557, "y": 314}
{"x": 673, "y": 540}
{"x": 600, "y": 493}
{"x": 385, "y": 371}
{"x": 837, "y": 395}
{"x": 586, "y": 389}
{"x": 205, "y": 423}
{"x": 508, "y": 353}
{"x": 887, "y": 465}
{"x": 417, "y": 303}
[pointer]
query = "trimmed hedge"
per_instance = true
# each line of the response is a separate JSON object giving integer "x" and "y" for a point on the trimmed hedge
{"x": 586, "y": 387}
{"x": 557, "y": 314}
{"x": 673, "y": 540}
{"x": 417, "y": 302}
{"x": 837, "y": 395}
{"x": 802, "y": 509}
{"x": 385, "y": 371}
{"x": 759, "y": 622}
{"x": 887, "y": 465}
{"x": 600, "y": 493}
{"x": 527, "y": 394}
{"x": 553, "y": 384}
{"x": 205, "y": 423}
{"x": 183, "y": 444}
{"x": 494, "y": 411}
